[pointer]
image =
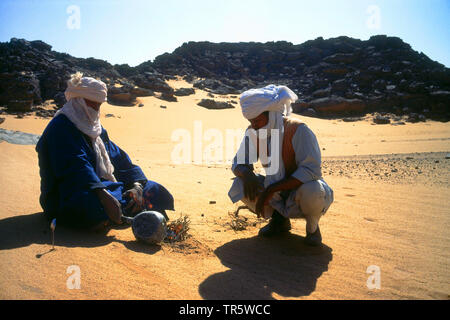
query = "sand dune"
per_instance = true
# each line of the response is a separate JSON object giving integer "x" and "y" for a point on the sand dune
{"x": 391, "y": 210}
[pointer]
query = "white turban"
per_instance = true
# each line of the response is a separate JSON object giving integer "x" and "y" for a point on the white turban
{"x": 86, "y": 87}
{"x": 270, "y": 98}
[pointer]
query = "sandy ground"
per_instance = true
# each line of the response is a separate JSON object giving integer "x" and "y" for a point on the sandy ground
{"x": 391, "y": 210}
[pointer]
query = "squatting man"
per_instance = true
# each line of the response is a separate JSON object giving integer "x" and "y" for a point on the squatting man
{"x": 288, "y": 150}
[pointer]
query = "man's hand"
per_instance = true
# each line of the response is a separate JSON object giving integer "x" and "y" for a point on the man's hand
{"x": 111, "y": 205}
{"x": 290, "y": 183}
{"x": 136, "y": 203}
{"x": 263, "y": 200}
{"x": 251, "y": 185}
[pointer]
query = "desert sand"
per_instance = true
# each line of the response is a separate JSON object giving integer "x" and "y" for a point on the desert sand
{"x": 391, "y": 210}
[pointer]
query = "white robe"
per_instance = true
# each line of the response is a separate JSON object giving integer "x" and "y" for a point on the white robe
{"x": 308, "y": 161}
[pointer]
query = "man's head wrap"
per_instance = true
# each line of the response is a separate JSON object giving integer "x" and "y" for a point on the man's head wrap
{"x": 86, "y": 87}
{"x": 270, "y": 98}
{"x": 87, "y": 119}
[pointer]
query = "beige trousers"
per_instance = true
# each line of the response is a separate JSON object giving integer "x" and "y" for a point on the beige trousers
{"x": 310, "y": 201}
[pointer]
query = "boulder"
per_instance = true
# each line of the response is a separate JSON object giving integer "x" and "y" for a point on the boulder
{"x": 122, "y": 99}
{"x": 381, "y": 120}
{"x": 215, "y": 86}
{"x": 152, "y": 82}
{"x": 167, "y": 97}
{"x": 212, "y": 104}
{"x": 141, "y": 92}
{"x": 184, "y": 92}
{"x": 415, "y": 117}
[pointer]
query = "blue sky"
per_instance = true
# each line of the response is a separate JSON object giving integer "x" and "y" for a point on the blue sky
{"x": 136, "y": 31}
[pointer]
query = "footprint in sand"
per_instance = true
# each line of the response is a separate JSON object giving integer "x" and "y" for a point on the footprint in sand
{"x": 350, "y": 195}
{"x": 370, "y": 219}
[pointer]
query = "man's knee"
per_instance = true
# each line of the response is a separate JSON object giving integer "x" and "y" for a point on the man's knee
{"x": 311, "y": 198}
{"x": 157, "y": 197}
{"x": 83, "y": 210}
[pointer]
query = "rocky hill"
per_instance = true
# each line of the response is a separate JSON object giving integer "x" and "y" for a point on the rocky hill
{"x": 30, "y": 73}
{"x": 335, "y": 77}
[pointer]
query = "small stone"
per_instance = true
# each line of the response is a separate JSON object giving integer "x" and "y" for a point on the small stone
{"x": 109, "y": 115}
{"x": 447, "y": 156}
{"x": 163, "y": 107}
{"x": 212, "y": 202}
{"x": 140, "y": 105}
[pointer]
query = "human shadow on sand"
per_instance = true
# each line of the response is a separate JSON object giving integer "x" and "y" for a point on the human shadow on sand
{"x": 260, "y": 267}
{"x": 24, "y": 230}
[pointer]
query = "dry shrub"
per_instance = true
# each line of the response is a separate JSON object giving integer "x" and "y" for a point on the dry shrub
{"x": 237, "y": 223}
{"x": 178, "y": 230}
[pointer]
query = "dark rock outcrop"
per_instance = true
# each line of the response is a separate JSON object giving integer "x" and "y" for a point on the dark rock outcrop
{"x": 383, "y": 72}
{"x": 331, "y": 106}
{"x": 30, "y": 70}
{"x": 333, "y": 77}
{"x": 19, "y": 86}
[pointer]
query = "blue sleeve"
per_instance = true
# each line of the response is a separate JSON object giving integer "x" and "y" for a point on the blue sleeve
{"x": 68, "y": 159}
{"x": 124, "y": 170}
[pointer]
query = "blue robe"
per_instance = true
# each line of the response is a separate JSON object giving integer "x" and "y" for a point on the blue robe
{"x": 68, "y": 178}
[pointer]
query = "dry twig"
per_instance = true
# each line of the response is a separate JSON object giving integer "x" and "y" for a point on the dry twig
{"x": 178, "y": 230}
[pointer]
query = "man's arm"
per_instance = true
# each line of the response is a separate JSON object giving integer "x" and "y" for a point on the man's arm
{"x": 290, "y": 183}
{"x": 110, "y": 204}
{"x": 308, "y": 160}
{"x": 245, "y": 170}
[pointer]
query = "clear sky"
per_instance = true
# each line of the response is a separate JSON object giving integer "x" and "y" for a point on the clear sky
{"x": 136, "y": 31}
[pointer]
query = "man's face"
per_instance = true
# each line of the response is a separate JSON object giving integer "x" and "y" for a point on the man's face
{"x": 93, "y": 104}
{"x": 260, "y": 121}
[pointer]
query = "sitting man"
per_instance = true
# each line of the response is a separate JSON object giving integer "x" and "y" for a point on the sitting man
{"x": 87, "y": 181}
{"x": 289, "y": 152}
